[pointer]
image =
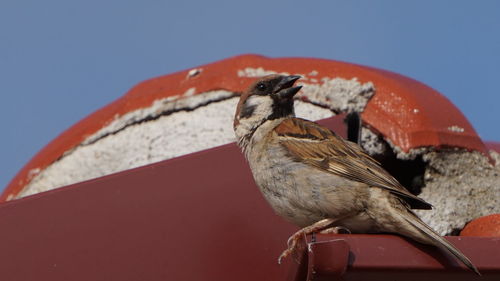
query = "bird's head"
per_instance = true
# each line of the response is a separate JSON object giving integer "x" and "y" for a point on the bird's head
{"x": 269, "y": 98}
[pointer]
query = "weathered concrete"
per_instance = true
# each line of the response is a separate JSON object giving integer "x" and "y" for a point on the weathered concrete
{"x": 167, "y": 129}
{"x": 183, "y": 124}
{"x": 462, "y": 186}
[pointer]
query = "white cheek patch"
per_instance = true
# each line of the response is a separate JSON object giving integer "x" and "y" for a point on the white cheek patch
{"x": 262, "y": 106}
{"x": 255, "y": 111}
{"x": 253, "y": 100}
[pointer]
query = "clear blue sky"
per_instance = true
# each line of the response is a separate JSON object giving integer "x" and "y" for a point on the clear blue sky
{"x": 62, "y": 60}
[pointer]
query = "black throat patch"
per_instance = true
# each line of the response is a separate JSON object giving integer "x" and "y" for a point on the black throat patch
{"x": 281, "y": 108}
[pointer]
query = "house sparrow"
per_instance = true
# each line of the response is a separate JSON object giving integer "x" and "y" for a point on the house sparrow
{"x": 317, "y": 180}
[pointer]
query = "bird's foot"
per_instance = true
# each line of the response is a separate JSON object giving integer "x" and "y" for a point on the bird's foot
{"x": 293, "y": 243}
{"x": 294, "y": 240}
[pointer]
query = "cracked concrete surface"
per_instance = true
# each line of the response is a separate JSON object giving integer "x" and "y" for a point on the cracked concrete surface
{"x": 462, "y": 186}
{"x": 183, "y": 124}
{"x": 165, "y": 106}
{"x": 167, "y": 129}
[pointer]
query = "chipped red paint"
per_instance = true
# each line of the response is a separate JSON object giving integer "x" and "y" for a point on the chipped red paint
{"x": 487, "y": 226}
{"x": 408, "y": 113}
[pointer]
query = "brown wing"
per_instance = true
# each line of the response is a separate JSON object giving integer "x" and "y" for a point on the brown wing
{"x": 315, "y": 145}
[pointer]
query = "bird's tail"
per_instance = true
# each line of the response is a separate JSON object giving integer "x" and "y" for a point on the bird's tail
{"x": 437, "y": 240}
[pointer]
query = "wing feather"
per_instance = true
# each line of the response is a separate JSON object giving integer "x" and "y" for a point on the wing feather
{"x": 317, "y": 146}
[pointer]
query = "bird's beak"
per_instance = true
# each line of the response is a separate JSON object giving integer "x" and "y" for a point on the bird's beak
{"x": 284, "y": 89}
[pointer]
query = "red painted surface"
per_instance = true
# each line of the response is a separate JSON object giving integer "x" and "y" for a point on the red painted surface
{"x": 158, "y": 222}
{"x": 184, "y": 219}
{"x": 386, "y": 257}
{"x": 328, "y": 258}
{"x": 487, "y": 226}
{"x": 405, "y": 111}
{"x": 493, "y": 146}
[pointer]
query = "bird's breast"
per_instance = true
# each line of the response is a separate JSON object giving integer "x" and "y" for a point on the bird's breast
{"x": 299, "y": 192}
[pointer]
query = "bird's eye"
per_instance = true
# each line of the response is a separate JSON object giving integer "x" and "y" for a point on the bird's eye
{"x": 261, "y": 86}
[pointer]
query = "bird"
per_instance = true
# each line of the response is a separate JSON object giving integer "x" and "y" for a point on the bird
{"x": 317, "y": 180}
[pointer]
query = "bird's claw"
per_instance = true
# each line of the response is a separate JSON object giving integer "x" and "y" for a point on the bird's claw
{"x": 283, "y": 255}
{"x": 292, "y": 245}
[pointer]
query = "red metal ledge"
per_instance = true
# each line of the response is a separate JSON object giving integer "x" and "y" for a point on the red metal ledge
{"x": 188, "y": 219}
{"x": 390, "y": 257}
